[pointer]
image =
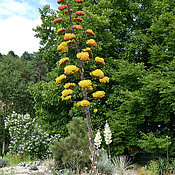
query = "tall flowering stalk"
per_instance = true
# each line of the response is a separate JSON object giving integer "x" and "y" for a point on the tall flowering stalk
{"x": 73, "y": 32}
{"x": 98, "y": 140}
{"x": 108, "y": 135}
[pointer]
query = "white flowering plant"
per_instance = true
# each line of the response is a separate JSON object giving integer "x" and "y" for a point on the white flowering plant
{"x": 27, "y": 137}
{"x": 107, "y": 137}
{"x": 97, "y": 140}
{"x": 107, "y": 134}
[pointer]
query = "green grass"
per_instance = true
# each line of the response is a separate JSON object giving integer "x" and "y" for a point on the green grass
{"x": 15, "y": 159}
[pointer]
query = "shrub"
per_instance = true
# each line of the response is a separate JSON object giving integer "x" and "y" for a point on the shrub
{"x": 122, "y": 164}
{"x": 3, "y": 163}
{"x": 153, "y": 167}
{"x": 104, "y": 164}
{"x": 73, "y": 151}
{"x": 27, "y": 137}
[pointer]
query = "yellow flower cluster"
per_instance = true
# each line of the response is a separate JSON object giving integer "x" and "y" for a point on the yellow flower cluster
{"x": 70, "y": 69}
{"x": 98, "y": 94}
{"x": 69, "y": 36}
{"x": 60, "y": 78}
{"x": 95, "y": 110}
{"x": 83, "y": 103}
{"x": 78, "y": 27}
{"x": 89, "y": 88}
{"x": 69, "y": 85}
{"x": 70, "y": 42}
{"x": 104, "y": 80}
{"x": 63, "y": 61}
{"x": 97, "y": 73}
{"x": 66, "y": 98}
{"x": 61, "y": 31}
{"x": 66, "y": 92}
{"x": 89, "y": 51}
{"x": 85, "y": 83}
{"x": 90, "y": 32}
{"x": 99, "y": 60}
{"x": 91, "y": 42}
{"x": 63, "y": 47}
{"x": 83, "y": 56}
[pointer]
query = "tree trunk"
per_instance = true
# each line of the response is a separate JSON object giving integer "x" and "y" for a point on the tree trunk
{"x": 91, "y": 141}
{"x": 92, "y": 147}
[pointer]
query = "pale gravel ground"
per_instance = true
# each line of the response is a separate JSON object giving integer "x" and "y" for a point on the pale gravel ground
{"x": 42, "y": 170}
{"x": 19, "y": 170}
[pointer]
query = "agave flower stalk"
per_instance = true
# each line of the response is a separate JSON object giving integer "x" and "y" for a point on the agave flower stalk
{"x": 83, "y": 55}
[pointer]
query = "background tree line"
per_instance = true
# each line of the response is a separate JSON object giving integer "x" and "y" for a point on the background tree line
{"x": 137, "y": 41}
{"x": 17, "y": 74}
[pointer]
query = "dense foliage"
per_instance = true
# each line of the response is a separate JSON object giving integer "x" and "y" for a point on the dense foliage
{"x": 138, "y": 43}
{"x": 16, "y": 75}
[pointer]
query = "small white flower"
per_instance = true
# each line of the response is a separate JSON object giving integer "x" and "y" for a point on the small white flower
{"x": 97, "y": 139}
{"x": 107, "y": 134}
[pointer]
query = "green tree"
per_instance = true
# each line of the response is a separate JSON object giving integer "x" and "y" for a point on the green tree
{"x": 49, "y": 41}
{"x": 36, "y": 66}
{"x": 14, "y": 94}
{"x": 46, "y": 33}
{"x": 73, "y": 150}
{"x": 26, "y": 56}
{"x": 14, "y": 84}
{"x": 12, "y": 54}
{"x": 138, "y": 42}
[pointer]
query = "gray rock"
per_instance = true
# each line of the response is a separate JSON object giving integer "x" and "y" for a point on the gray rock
{"x": 22, "y": 164}
{"x": 38, "y": 163}
{"x": 28, "y": 164}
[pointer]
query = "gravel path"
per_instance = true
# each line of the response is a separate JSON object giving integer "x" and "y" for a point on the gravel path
{"x": 42, "y": 170}
{"x": 22, "y": 170}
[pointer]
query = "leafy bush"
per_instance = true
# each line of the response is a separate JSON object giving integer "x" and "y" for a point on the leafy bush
{"x": 73, "y": 151}
{"x": 165, "y": 165}
{"x": 151, "y": 143}
{"x": 153, "y": 167}
{"x": 27, "y": 137}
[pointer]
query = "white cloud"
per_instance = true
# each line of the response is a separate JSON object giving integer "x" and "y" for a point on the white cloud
{"x": 43, "y": 2}
{"x": 16, "y": 34}
{"x": 53, "y": 4}
{"x": 13, "y": 7}
{"x": 17, "y": 18}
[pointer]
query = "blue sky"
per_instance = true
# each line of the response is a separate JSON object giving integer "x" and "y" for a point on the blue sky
{"x": 17, "y": 18}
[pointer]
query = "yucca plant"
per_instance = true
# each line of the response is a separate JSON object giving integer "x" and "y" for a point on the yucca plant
{"x": 122, "y": 164}
{"x": 104, "y": 165}
{"x": 3, "y": 162}
{"x": 161, "y": 163}
{"x": 173, "y": 164}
